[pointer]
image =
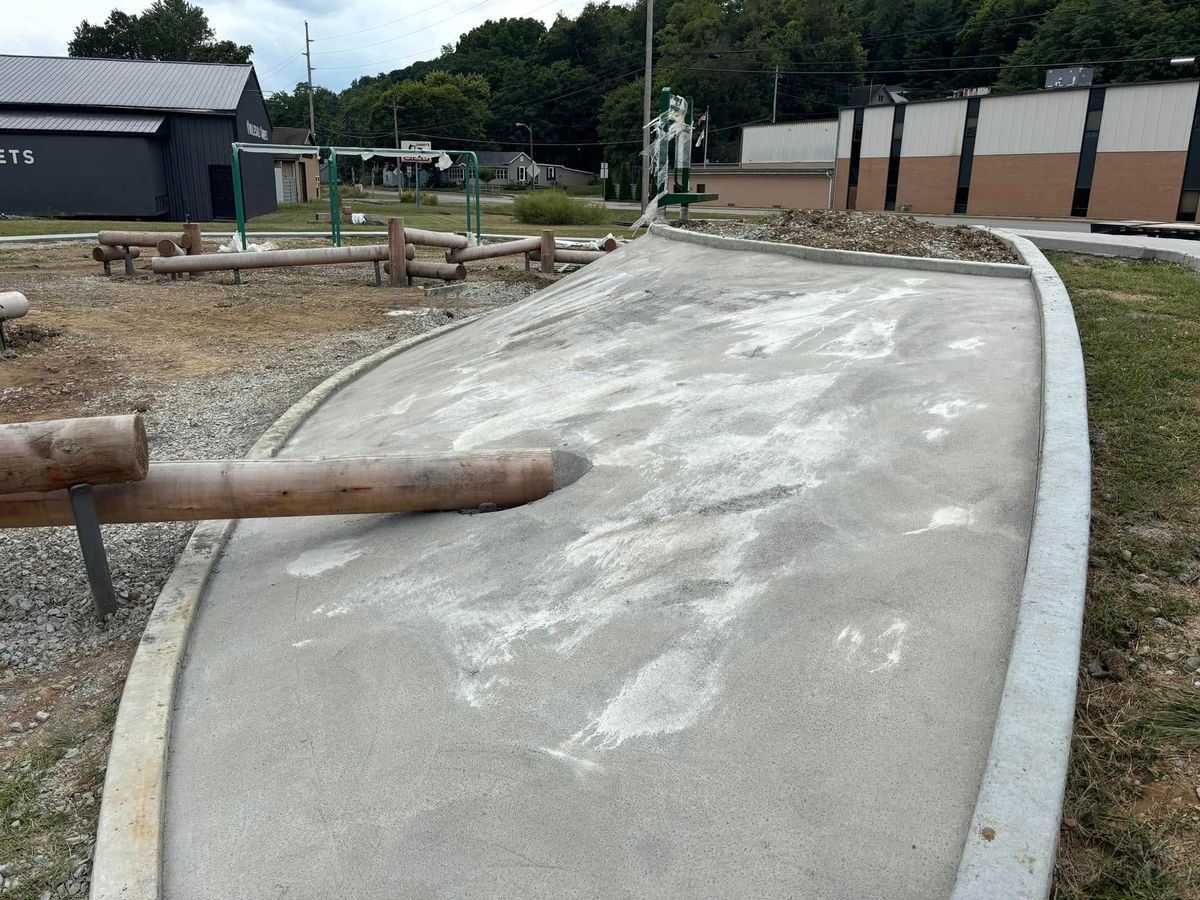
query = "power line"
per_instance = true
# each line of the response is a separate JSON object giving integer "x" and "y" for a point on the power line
{"x": 385, "y": 24}
{"x": 402, "y": 36}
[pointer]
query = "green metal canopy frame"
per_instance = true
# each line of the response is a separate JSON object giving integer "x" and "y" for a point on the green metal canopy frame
{"x": 470, "y": 177}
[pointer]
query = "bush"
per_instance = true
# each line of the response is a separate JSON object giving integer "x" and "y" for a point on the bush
{"x": 556, "y": 208}
{"x": 427, "y": 199}
{"x": 625, "y": 193}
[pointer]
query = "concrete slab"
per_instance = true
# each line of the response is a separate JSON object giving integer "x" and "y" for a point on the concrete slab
{"x": 757, "y": 651}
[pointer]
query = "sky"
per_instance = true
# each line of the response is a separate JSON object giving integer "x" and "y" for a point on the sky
{"x": 374, "y": 35}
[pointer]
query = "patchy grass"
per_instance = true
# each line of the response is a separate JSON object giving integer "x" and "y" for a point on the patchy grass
{"x": 557, "y": 208}
{"x": 1131, "y": 823}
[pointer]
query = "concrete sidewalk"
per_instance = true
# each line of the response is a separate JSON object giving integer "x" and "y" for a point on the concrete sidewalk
{"x": 756, "y": 651}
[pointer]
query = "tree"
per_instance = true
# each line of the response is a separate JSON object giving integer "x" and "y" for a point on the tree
{"x": 626, "y": 192}
{"x": 168, "y": 29}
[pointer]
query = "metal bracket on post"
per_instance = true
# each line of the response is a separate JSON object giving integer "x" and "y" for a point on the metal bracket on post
{"x": 378, "y": 275}
{"x": 3, "y": 338}
{"x": 237, "y": 276}
{"x": 128, "y": 262}
{"x": 91, "y": 542}
{"x": 108, "y": 268}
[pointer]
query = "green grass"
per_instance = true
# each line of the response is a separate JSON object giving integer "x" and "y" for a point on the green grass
{"x": 1139, "y": 324}
{"x": 497, "y": 219}
{"x": 557, "y": 208}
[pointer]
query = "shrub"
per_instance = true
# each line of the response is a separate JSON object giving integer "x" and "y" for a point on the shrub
{"x": 625, "y": 192}
{"x": 427, "y": 199}
{"x": 556, "y": 208}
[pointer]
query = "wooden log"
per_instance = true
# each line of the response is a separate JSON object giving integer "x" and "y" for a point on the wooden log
{"x": 490, "y": 251}
{"x": 546, "y": 253}
{"x": 425, "y": 269}
{"x": 193, "y": 240}
{"x": 135, "y": 238}
{"x": 13, "y": 304}
{"x": 436, "y": 238}
{"x": 572, "y": 256}
{"x": 105, "y": 253}
{"x": 396, "y": 258}
{"x": 269, "y": 259}
{"x": 47, "y": 456}
{"x": 244, "y": 489}
{"x": 167, "y": 247}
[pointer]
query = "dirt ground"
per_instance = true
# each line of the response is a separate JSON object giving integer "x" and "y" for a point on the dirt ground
{"x": 871, "y": 233}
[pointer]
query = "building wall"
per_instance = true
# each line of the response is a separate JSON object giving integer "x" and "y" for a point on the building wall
{"x": 749, "y": 189}
{"x": 59, "y": 174}
{"x": 193, "y": 144}
{"x": 253, "y": 126}
{"x": 1035, "y": 184}
{"x": 927, "y": 183}
{"x": 840, "y": 181}
{"x": 872, "y": 182}
{"x": 1023, "y": 124}
{"x": 1137, "y": 185}
{"x": 790, "y": 142}
{"x": 1147, "y": 117}
{"x": 565, "y": 177}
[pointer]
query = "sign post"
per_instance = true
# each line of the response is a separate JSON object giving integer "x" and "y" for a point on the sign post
{"x": 604, "y": 182}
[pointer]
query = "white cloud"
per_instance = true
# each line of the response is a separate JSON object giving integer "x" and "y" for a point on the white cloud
{"x": 275, "y": 28}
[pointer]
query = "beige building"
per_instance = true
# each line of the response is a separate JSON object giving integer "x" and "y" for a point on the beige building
{"x": 788, "y": 165}
{"x": 297, "y": 178}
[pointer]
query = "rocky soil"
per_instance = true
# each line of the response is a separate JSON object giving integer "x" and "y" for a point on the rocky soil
{"x": 870, "y": 232}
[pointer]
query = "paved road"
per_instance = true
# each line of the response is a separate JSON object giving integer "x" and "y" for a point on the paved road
{"x": 756, "y": 651}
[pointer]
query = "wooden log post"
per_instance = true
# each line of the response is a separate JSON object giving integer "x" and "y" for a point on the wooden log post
{"x": 135, "y": 238}
{"x": 490, "y": 251}
{"x": 243, "y": 488}
{"x": 167, "y": 247}
{"x": 47, "y": 456}
{"x": 546, "y": 254}
{"x": 422, "y": 268}
{"x": 193, "y": 240}
{"x": 270, "y": 259}
{"x": 579, "y": 257}
{"x": 397, "y": 251}
{"x": 447, "y": 239}
{"x": 105, "y": 253}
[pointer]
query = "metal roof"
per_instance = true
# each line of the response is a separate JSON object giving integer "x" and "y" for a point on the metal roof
{"x": 121, "y": 83}
{"x": 285, "y": 134}
{"x": 92, "y": 122}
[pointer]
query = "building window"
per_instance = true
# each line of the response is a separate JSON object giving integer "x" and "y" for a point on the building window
{"x": 855, "y": 159}
{"x": 966, "y": 157}
{"x": 522, "y": 173}
{"x": 700, "y": 189}
{"x": 550, "y": 174}
{"x": 1087, "y": 153}
{"x": 893, "y": 172}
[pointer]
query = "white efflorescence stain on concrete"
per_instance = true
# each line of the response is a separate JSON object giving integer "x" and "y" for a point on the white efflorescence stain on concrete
{"x": 946, "y": 517}
{"x": 878, "y": 653}
{"x": 869, "y": 340}
{"x": 971, "y": 343}
{"x": 933, "y": 435}
{"x": 301, "y": 644}
{"x": 313, "y": 562}
{"x": 955, "y": 407}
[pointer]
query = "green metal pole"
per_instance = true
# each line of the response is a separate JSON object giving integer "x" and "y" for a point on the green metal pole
{"x": 238, "y": 205}
{"x": 478, "y": 208}
{"x": 684, "y": 159}
{"x": 467, "y": 190}
{"x": 335, "y": 202}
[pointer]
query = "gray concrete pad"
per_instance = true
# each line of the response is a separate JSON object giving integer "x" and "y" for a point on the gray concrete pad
{"x": 756, "y": 651}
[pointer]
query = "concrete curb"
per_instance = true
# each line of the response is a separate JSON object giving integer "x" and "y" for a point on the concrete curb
{"x": 843, "y": 257}
{"x": 1107, "y": 245}
{"x": 129, "y": 836}
{"x": 1010, "y": 847}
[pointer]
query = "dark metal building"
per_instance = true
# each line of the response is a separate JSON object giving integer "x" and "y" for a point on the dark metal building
{"x": 109, "y": 138}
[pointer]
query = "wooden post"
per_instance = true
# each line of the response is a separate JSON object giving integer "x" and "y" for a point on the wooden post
{"x": 193, "y": 241}
{"x": 244, "y": 488}
{"x": 47, "y": 456}
{"x": 167, "y": 247}
{"x": 547, "y": 252}
{"x": 105, "y": 254}
{"x": 396, "y": 250}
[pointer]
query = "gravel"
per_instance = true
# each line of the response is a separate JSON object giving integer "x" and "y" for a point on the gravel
{"x": 868, "y": 232}
{"x": 46, "y": 614}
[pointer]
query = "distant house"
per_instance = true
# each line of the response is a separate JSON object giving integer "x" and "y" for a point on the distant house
{"x": 297, "y": 178}
{"x": 511, "y": 167}
{"x": 130, "y": 138}
{"x": 876, "y": 94}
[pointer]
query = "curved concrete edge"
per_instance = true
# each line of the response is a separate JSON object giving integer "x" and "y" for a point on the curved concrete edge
{"x": 129, "y": 835}
{"x": 843, "y": 257}
{"x": 1125, "y": 246}
{"x": 1010, "y": 847}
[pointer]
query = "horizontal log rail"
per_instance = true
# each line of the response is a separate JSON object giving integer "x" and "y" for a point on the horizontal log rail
{"x": 48, "y": 456}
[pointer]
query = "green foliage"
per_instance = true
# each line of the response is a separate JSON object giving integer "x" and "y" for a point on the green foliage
{"x": 486, "y": 174}
{"x": 610, "y": 188}
{"x": 626, "y": 192}
{"x": 168, "y": 29}
{"x": 556, "y": 207}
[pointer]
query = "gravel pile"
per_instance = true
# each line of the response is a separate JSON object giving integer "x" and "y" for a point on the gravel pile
{"x": 46, "y": 614}
{"x": 872, "y": 233}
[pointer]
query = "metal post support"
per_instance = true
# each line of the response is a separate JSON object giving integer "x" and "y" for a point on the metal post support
{"x": 335, "y": 200}
{"x": 238, "y": 204}
{"x": 108, "y": 268}
{"x": 128, "y": 263}
{"x": 237, "y": 276}
{"x": 3, "y": 338}
{"x": 91, "y": 543}
{"x": 378, "y": 275}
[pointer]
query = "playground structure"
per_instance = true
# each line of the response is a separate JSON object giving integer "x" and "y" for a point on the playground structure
{"x": 671, "y": 127}
{"x": 92, "y": 471}
{"x": 331, "y": 155}
{"x": 127, "y": 245}
{"x": 397, "y": 256}
{"x": 13, "y": 305}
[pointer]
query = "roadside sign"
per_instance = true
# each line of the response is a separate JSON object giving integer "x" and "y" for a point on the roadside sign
{"x": 603, "y": 170}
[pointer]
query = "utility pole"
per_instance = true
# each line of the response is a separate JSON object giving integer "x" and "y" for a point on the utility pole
{"x": 775, "y": 99}
{"x": 312, "y": 117}
{"x": 396, "y": 129}
{"x": 706, "y": 124}
{"x": 646, "y": 103}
